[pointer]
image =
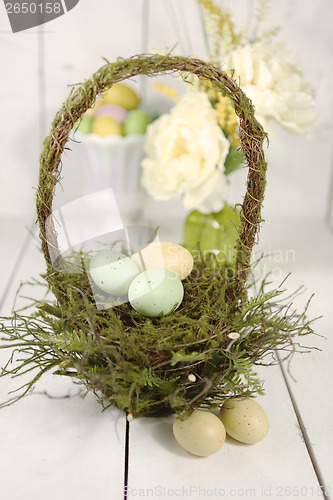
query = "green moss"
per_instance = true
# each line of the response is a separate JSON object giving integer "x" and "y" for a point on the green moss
{"x": 143, "y": 364}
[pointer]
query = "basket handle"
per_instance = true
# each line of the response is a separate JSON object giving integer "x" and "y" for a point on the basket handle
{"x": 82, "y": 97}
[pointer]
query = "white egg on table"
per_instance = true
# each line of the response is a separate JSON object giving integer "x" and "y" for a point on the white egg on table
{"x": 112, "y": 271}
{"x": 155, "y": 292}
{"x": 244, "y": 420}
{"x": 202, "y": 433}
{"x": 163, "y": 254}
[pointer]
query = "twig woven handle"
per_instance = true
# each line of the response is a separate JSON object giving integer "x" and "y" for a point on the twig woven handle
{"x": 83, "y": 97}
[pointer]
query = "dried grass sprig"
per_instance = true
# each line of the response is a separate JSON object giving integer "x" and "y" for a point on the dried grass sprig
{"x": 147, "y": 365}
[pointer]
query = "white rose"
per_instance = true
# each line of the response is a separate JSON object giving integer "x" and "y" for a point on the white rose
{"x": 186, "y": 150}
{"x": 271, "y": 77}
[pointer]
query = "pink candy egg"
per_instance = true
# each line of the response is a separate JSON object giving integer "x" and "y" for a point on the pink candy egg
{"x": 112, "y": 110}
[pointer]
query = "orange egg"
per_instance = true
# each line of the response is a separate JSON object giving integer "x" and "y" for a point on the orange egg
{"x": 164, "y": 254}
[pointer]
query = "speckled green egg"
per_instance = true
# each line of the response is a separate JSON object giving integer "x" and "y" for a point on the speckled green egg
{"x": 113, "y": 272}
{"x": 156, "y": 292}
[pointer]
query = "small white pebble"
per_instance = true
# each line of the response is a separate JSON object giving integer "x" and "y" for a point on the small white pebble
{"x": 233, "y": 335}
{"x": 280, "y": 289}
{"x": 129, "y": 417}
{"x": 192, "y": 378}
{"x": 215, "y": 251}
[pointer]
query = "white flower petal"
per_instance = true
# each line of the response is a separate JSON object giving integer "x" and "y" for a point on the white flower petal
{"x": 271, "y": 77}
{"x": 186, "y": 150}
{"x": 209, "y": 196}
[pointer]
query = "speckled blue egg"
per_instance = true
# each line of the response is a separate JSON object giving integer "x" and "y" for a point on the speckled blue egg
{"x": 156, "y": 292}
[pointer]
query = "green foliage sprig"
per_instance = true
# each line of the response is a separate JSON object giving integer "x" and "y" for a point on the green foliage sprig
{"x": 189, "y": 361}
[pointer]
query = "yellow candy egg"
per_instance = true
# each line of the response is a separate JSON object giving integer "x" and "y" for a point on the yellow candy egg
{"x": 122, "y": 95}
{"x": 202, "y": 433}
{"x": 170, "y": 256}
{"x": 244, "y": 420}
{"x": 105, "y": 126}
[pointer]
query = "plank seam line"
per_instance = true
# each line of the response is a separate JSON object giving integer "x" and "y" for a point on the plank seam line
{"x": 305, "y": 435}
{"x": 126, "y": 459}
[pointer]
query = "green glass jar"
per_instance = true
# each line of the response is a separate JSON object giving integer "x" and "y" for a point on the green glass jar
{"x": 215, "y": 233}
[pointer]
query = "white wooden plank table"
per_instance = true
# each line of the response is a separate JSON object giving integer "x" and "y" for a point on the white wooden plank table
{"x": 67, "y": 448}
{"x": 52, "y": 448}
{"x": 311, "y": 379}
{"x": 277, "y": 463}
{"x": 295, "y": 459}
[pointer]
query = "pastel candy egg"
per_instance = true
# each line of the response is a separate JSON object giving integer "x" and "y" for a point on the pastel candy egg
{"x": 244, "y": 420}
{"x": 122, "y": 95}
{"x": 155, "y": 292}
{"x": 166, "y": 255}
{"x": 105, "y": 126}
{"x": 137, "y": 122}
{"x": 112, "y": 110}
{"x": 112, "y": 272}
{"x": 202, "y": 433}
